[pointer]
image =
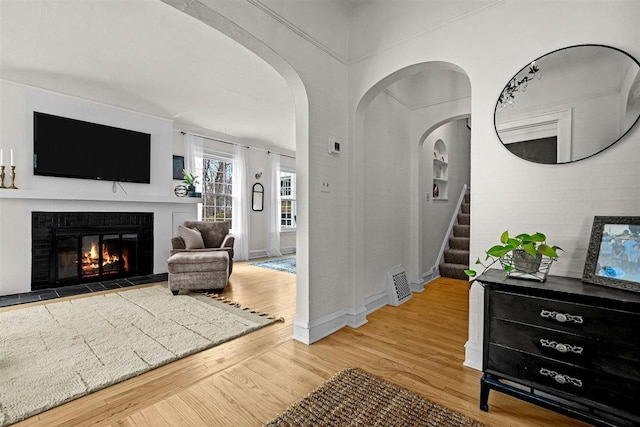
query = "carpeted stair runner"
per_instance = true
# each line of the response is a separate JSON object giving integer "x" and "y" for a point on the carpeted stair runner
{"x": 456, "y": 258}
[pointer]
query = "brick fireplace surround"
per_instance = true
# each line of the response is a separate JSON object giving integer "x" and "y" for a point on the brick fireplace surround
{"x": 49, "y": 229}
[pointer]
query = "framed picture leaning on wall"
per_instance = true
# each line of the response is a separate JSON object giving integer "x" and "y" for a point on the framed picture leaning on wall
{"x": 613, "y": 256}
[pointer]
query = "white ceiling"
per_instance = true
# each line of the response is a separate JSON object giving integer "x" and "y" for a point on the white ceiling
{"x": 147, "y": 56}
{"x": 431, "y": 87}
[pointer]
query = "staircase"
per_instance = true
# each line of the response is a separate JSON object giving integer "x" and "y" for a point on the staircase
{"x": 456, "y": 257}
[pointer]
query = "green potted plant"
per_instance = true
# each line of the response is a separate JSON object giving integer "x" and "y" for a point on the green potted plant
{"x": 191, "y": 182}
{"x": 521, "y": 254}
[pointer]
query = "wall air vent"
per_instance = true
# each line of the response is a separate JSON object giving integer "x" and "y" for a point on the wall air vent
{"x": 398, "y": 286}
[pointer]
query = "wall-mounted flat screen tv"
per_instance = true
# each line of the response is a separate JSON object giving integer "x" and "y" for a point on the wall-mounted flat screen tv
{"x": 73, "y": 148}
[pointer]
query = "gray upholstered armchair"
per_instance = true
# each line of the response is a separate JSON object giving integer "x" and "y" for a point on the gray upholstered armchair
{"x": 215, "y": 237}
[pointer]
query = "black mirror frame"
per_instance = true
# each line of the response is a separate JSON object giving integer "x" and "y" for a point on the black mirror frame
{"x": 495, "y": 111}
{"x": 257, "y": 203}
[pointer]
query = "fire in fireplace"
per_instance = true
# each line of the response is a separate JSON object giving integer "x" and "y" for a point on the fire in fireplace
{"x": 109, "y": 258}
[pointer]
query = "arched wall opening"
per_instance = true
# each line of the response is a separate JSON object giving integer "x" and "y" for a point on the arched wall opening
{"x": 218, "y": 22}
{"x": 385, "y": 185}
{"x": 444, "y": 160}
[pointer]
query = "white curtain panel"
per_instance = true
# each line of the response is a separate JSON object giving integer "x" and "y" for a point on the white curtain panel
{"x": 193, "y": 159}
{"x": 273, "y": 211}
{"x": 240, "y": 204}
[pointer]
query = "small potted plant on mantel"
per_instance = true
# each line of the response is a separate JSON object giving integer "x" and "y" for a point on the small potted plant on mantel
{"x": 525, "y": 255}
{"x": 191, "y": 182}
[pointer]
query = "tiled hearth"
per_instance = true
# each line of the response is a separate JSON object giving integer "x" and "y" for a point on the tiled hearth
{"x": 67, "y": 291}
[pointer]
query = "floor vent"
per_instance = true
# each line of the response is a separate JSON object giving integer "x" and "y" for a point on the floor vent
{"x": 398, "y": 286}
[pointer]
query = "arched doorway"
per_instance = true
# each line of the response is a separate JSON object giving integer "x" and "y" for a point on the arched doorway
{"x": 443, "y": 178}
{"x": 384, "y": 170}
{"x": 220, "y": 23}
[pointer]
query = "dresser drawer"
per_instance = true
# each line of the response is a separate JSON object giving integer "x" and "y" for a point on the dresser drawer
{"x": 608, "y": 357}
{"x": 553, "y": 376}
{"x": 587, "y": 320}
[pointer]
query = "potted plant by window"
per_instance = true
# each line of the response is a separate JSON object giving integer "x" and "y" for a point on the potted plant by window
{"x": 191, "y": 182}
{"x": 525, "y": 255}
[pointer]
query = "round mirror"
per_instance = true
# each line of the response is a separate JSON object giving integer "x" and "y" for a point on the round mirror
{"x": 569, "y": 104}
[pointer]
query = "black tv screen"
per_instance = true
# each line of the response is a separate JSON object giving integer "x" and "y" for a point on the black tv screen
{"x": 76, "y": 149}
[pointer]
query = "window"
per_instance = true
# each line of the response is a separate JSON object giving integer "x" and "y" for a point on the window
{"x": 217, "y": 183}
{"x": 287, "y": 200}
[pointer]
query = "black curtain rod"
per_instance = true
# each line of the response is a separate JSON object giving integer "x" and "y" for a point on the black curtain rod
{"x": 285, "y": 155}
{"x": 234, "y": 143}
{"x": 213, "y": 139}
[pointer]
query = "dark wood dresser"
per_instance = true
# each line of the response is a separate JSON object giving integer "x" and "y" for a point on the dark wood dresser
{"x": 565, "y": 345}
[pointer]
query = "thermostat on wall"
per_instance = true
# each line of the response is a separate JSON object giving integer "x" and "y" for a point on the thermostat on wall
{"x": 334, "y": 146}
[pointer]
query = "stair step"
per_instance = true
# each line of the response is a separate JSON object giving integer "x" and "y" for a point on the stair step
{"x": 464, "y": 219}
{"x": 460, "y": 230}
{"x": 467, "y": 198}
{"x": 456, "y": 256}
{"x": 459, "y": 243}
{"x": 453, "y": 271}
{"x": 466, "y": 208}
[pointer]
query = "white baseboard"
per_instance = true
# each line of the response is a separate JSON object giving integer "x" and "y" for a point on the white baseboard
{"x": 262, "y": 253}
{"x": 376, "y": 301}
{"x": 473, "y": 355}
{"x": 309, "y": 333}
{"x": 288, "y": 250}
{"x": 416, "y": 287}
{"x": 301, "y": 331}
{"x": 427, "y": 276}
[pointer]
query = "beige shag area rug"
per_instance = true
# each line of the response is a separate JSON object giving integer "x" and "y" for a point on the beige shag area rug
{"x": 53, "y": 353}
{"x": 355, "y": 398}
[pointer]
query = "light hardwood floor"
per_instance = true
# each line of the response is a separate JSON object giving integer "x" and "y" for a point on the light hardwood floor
{"x": 248, "y": 381}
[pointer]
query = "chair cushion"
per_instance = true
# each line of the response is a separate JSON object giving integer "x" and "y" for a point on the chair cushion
{"x": 192, "y": 237}
{"x": 213, "y": 232}
{"x": 189, "y": 262}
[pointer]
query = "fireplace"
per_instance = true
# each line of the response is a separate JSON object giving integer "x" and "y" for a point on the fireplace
{"x": 80, "y": 247}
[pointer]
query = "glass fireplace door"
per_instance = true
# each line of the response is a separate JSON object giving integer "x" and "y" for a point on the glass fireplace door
{"x": 90, "y": 265}
{"x": 111, "y": 262}
{"x": 67, "y": 258}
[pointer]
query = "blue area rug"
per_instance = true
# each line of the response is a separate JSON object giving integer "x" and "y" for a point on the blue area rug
{"x": 282, "y": 264}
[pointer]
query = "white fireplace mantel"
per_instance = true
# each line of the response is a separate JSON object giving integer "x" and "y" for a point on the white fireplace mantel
{"x": 96, "y": 197}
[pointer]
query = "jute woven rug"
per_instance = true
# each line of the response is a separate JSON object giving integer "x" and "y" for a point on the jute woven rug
{"x": 355, "y": 398}
{"x": 53, "y": 353}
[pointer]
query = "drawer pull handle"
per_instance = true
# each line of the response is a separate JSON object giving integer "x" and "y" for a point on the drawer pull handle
{"x": 562, "y": 348}
{"x": 560, "y": 378}
{"x": 561, "y": 317}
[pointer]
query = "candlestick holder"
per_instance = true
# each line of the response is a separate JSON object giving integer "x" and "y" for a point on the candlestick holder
{"x": 2, "y": 177}
{"x": 12, "y": 174}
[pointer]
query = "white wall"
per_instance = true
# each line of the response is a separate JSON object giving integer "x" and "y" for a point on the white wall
{"x": 510, "y": 193}
{"x": 20, "y": 101}
{"x": 39, "y": 193}
{"x": 259, "y": 161}
{"x": 387, "y": 132}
